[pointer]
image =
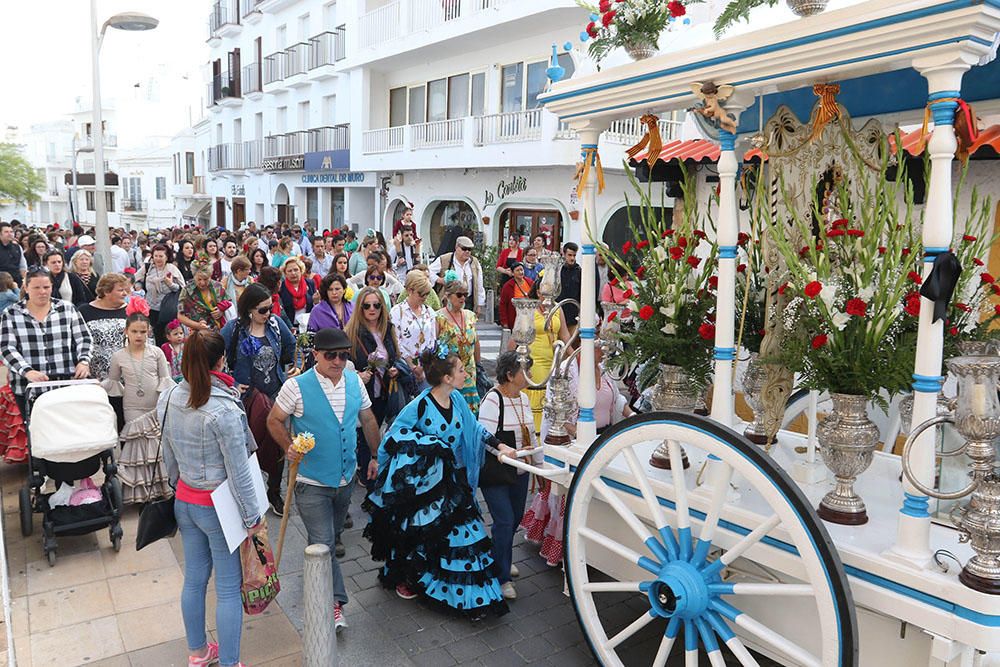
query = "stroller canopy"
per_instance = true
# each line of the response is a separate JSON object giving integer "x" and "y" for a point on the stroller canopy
{"x": 72, "y": 423}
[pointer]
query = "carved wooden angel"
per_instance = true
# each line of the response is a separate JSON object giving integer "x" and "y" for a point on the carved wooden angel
{"x": 712, "y": 96}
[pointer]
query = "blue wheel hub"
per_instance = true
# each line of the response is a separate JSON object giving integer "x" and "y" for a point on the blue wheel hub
{"x": 680, "y": 590}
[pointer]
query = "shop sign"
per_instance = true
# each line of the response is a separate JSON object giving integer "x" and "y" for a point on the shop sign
{"x": 238, "y": 190}
{"x": 287, "y": 163}
{"x": 342, "y": 178}
{"x": 506, "y": 189}
{"x": 328, "y": 160}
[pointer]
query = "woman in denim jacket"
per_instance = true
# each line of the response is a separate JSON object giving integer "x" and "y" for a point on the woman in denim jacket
{"x": 258, "y": 347}
{"x": 206, "y": 441}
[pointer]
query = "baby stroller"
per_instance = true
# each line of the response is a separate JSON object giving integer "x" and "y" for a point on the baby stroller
{"x": 72, "y": 433}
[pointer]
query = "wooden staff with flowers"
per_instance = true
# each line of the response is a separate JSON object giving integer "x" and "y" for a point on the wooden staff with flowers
{"x": 302, "y": 444}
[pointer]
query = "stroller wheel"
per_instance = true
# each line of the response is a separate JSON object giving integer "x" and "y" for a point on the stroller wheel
{"x": 51, "y": 555}
{"x": 116, "y": 537}
{"x": 24, "y": 504}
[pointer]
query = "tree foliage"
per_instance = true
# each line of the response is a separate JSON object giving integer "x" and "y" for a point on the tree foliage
{"x": 18, "y": 179}
{"x": 736, "y": 11}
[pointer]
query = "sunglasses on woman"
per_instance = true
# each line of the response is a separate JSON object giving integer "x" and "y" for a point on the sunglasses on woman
{"x": 377, "y": 279}
{"x": 372, "y": 306}
{"x": 343, "y": 355}
{"x": 263, "y": 310}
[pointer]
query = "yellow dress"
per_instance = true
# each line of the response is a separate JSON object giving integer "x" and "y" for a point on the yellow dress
{"x": 541, "y": 357}
{"x": 465, "y": 343}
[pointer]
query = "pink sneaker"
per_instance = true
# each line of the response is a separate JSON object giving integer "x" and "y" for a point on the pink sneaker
{"x": 338, "y": 617}
{"x": 211, "y": 657}
{"x": 403, "y": 591}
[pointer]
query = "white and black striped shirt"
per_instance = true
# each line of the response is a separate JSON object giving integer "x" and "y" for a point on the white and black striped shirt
{"x": 54, "y": 346}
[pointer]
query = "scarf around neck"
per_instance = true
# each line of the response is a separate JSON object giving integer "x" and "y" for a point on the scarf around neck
{"x": 298, "y": 293}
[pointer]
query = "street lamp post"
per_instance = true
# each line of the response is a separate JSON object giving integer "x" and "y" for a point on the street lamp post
{"x": 125, "y": 21}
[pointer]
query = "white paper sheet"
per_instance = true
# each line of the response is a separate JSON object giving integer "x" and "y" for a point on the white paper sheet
{"x": 229, "y": 512}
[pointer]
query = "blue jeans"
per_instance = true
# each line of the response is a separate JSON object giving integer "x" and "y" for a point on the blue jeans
{"x": 323, "y": 510}
{"x": 506, "y": 503}
{"x": 205, "y": 547}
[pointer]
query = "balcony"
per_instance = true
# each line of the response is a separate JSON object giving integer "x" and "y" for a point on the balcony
{"x": 511, "y": 127}
{"x": 252, "y": 82}
{"x": 251, "y": 11}
{"x": 224, "y": 90}
{"x": 274, "y": 5}
{"x": 237, "y": 156}
{"x": 386, "y": 140}
{"x": 274, "y": 68}
{"x": 224, "y": 20}
{"x": 110, "y": 141}
{"x": 438, "y": 134}
{"x": 135, "y": 206}
{"x": 198, "y": 186}
{"x": 300, "y": 142}
{"x": 628, "y": 131}
{"x": 297, "y": 64}
{"x": 327, "y": 49}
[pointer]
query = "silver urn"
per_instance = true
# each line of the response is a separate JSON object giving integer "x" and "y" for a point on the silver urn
{"x": 847, "y": 441}
{"x": 753, "y": 384}
{"x": 806, "y": 7}
{"x": 673, "y": 392}
{"x": 560, "y": 403}
{"x": 979, "y": 523}
{"x": 640, "y": 50}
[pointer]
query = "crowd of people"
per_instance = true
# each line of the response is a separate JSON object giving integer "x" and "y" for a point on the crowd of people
{"x": 232, "y": 342}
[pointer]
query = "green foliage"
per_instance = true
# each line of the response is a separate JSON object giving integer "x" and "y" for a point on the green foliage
{"x": 738, "y": 10}
{"x": 18, "y": 179}
{"x": 487, "y": 256}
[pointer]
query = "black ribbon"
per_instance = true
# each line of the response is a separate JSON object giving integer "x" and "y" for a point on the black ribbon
{"x": 940, "y": 284}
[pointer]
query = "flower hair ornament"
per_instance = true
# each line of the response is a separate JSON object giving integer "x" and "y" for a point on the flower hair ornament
{"x": 450, "y": 275}
{"x": 173, "y": 324}
{"x": 136, "y": 304}
{"x": 443, "y": 350}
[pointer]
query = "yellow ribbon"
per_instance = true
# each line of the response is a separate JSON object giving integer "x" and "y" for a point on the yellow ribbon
{"x": 651, "y": 139}
{"x": 828, "y": 108}
{"x": 591, "y": 155}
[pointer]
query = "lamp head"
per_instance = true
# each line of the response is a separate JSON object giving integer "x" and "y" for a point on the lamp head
{"x": 132, "y": 21}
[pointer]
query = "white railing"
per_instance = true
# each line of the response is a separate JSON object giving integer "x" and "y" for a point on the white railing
{"x": 426, "y": 14}
{"x": 628, "y": 131}
{"x": 510, "y": 127}
{"x": 437, "y": 134}
{"x": 380, "y": 25}
{"x": 385, "y": 140}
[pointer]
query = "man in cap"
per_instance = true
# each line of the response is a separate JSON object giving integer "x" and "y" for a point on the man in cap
{"x": 328, "y": 401}
{"x": 469, "y": 272}
{"x": 88, "y": 243}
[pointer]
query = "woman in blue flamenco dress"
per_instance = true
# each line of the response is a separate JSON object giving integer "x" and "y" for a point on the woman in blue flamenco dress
{"x": 426, "y": 524}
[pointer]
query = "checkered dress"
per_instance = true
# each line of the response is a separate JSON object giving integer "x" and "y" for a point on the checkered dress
{"x": 54, "y": 346}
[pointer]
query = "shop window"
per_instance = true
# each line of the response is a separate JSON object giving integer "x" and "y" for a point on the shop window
{"x": 449, "y": 220}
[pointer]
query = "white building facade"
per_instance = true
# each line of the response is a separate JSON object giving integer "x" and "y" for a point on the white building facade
{"x": 345, "y": 113}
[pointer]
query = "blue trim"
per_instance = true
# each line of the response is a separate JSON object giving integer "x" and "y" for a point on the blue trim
{"x": 679, "y": 70}
{"x": 690, "y": 636}
{"x": 986, "y": 620}
{"x": 586, "y": 415}
{"x": 684, "y": 540}
{"x": 587, "y": 333}
{"x": 721, "y": 627}
{"x": 727, "y": 252}
{"x": 944, "y": 112}
{"x": 725, "y": 353}
{"x": 931, "y": 253}
{"x": 727, "y": 140}
{"x": 588, "y": 146}
{"x": 927, "y": 383}
{"x": 588, "y": 249}
{"x": 915, "y": 506}
{"x": 707, "y": 636}
{"x": 673, "y": 627}
{"x": 658, "y": 550}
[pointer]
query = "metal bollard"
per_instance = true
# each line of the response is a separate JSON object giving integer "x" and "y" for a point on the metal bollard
{"x": 319, "y": 640}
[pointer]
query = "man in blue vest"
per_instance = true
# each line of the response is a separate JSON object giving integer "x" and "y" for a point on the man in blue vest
{"x": 330, "y": 402}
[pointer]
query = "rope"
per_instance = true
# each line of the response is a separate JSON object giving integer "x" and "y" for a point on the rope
{"x": 591, "y": 155}
{"x": 651, "y": 139}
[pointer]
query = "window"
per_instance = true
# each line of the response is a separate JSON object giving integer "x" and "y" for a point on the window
{"x": 418, "y": 100}
{"x": 109, "y": 196}
{"x": 329, "y": 16}
{"x": 304, "y": 115}
{"x": 458, "y": 96}
{"x": 189, "y": 160}
{"x": 512, "y": 87}
{"x": 437, "y": 100}
{"x": 537, "y": 78}
{"x": 397, "y": 107}
{"x": 237, "y": 130}
{"x": 304, "y": 28}
{"x": 177, "y": 168}
{"x": 133, "y": 189}
{"x": 161, "y": 187}
{"x": 479, "y": 94}
{"x": 330, "y": 110}
{"x": 280, "y": 119}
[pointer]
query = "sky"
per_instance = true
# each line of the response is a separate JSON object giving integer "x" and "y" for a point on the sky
{"x": 45, "y": 49}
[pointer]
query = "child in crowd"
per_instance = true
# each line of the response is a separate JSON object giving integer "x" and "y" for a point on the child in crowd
{"x": 8, "y": 291}
{"x": 173, "y": 349}
{"x": 139, "y": 372}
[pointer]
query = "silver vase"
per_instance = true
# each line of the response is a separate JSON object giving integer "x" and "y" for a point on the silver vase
{"x": 753, "y": 383}
{"x": 847, "y": 441}
{"x": 673, "y": 392}
{"x": 976, "y": 348}
{"x": 979, "y": 523}
{"x": 806, "y": 7}
{"x": 640, "y": 50}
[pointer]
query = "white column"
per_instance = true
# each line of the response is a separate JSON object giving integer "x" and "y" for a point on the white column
{"x": 913, "y": 534}
{"x": 583, "y": 232}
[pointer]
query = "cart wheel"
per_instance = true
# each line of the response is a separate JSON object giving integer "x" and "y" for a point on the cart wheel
{"x": 116, "y": 495}
{"x": 665, "y": 557}
{"x": 116, "y": 537}
{"x": 51, "y": 555}
{"x": 24, "y": 505}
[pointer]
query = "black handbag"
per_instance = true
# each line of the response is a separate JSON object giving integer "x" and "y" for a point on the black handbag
{"x": 157, "y": 519}
{"x": 494, "y": 473}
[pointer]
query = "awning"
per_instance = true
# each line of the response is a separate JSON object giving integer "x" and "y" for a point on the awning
{"x": 700, "y": 151}
{"x": 197, "y": 210}
{"x": 987, "y": 146}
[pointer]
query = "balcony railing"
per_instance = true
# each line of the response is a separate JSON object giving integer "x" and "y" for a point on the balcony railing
{"x": 327, "y": 48}
{"x": 297, "y": 59}
{"x": 385, "y": 140}
{"x": 250, "y": 79}
{"x": 134, "y": 205}
{"x": 110, "y": 141}
{"x": 198, "y": 186}
{"x": 628, "y": 131}
{"x": 329, "y": 138}
{"x": 249, "y": 7}
{"x": 234, "y": 156}
{"x": 398, "y": 19}
{"x": 504, "y": 128}
{"x": 223, "y": 14}
{"x": 438, "y": 134}
{"x": 222, "y": 86}
{"x": 274, "y": 67}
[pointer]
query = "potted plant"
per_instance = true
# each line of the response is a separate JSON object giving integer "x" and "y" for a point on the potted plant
{"x": 739, "y": 10}
{"x": 634, "y": 25}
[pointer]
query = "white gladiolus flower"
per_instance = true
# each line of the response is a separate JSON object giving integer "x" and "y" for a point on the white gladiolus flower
{"x": 840, "y": 320}
{"x": 828, "y": 294}
{"x": 866, "y": 294}
{"x": 660, "y": 252}
{"x": 669, "y": 329}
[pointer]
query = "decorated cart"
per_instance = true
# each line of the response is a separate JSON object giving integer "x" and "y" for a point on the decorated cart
{"x": 714, "y": 540}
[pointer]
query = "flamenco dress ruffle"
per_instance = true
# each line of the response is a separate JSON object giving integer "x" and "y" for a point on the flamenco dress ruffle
{"x": 140, "y": 466}
{"x": 13, "y": 439}
{"x": 543, "y": 523}
{"x": 427, "y": 528}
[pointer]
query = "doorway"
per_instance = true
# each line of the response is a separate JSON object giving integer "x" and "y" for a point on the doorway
{"x": 220, "y": 212}
{"x": 239, "y": 212}
{"x": 530, "y": 222}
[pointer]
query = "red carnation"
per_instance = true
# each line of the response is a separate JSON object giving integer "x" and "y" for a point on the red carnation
{"x": 856, "y": 233}
{"x": 819, "y": 341}
{"x": 906, "y": 251}
{"x": 707, "y": 331}
{"x": 742, "y": 238}
{"x": 676, "y": 9}
{"x": 968, "y": 238}
{"x": 646, "y": 312}
{"x": 713, "y": 282}
{"x": 640, "y": 272}
{"x": 741, "y": 268}
{"x": 953, "y": 331}
{"x": 912, "y": 306}
{"x": 627, "y": 247}
{"x": 592, "y": 29}
{"x": 666, "y": 233}
{"x": 642, "y": 245}
{"x": 881, "y": 250}
{"x": 608, "y": 18}
{"x": 837, "y": 224}
{"x": 613, "y": 282}
{"x": 835, "y": 232}
{"x": 604, "y": 6}
{"x": 682, "y": 242}
{"x": 693, "y": 261}
{"x": 978, "y": 262}
{"x": 612, "y": 315}
{"x": 804, "y": 251}
{"x": 996, "y": 288}
{"x": 964, "y": 307}
{"x": 676, "y": 252}
{"x": 915, "y": 277}
{"x": 781, "y": 290}
{"x": 996, "y": 309}
{"x": 628, "y": 294}
{"x": 819, "y": 247}
{"x": 855, "y": 307}
{"x": 700, "y": 234}
{"x": 987, "y": 278}
{"x": 813, "y": 289}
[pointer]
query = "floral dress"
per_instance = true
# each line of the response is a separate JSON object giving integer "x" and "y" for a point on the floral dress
{"x": 465, "y": 342}
{"x": 194, "y": 305}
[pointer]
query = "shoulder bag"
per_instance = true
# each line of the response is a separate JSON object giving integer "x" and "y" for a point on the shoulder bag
{"x": 157, "y": 519}
{"x": 494, "y": 473}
